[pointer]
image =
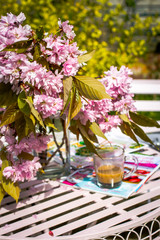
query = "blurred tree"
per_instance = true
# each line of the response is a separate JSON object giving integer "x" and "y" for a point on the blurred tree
{"x": 118, "y": 35}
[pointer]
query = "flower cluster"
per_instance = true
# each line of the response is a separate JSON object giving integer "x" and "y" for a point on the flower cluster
{"x": 43, "y": 84}
{"x": 22, "y": 169}
{"x": 117, "y": 85}
{"x": 25, "y": 170}
{"x": 35, "y": 66}
{"x": 28, "y": 144}
{"x": 12, "y": 31}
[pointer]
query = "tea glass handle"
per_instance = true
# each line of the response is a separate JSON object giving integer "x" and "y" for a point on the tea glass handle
{"x": 134, "y": 166}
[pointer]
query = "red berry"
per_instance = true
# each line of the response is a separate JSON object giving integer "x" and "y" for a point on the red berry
{"x": 51, "y": 233}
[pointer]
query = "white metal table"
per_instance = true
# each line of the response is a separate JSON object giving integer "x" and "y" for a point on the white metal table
{"x": 78, "y": 214}
{"x": 69, "y": 213}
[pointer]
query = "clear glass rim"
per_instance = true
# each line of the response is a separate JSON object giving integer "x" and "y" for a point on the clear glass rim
{"x": 111, "y": 148}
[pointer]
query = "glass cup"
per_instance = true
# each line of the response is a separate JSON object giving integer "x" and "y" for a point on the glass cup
{"x": 109, "y": 166}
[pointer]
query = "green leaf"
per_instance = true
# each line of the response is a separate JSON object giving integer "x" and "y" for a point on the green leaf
{"x": 67, "y": 86}
{"x": 74, "y": 130}
{"x": 67, "y": 104}
{"x": 93, "y": 138}
{"x": 23, "y": 105}
{"x": 35, "y": 112}
{"x": 84, "y": 131}
{"x": 30, "y": 122}
{"x": 40, "y": 33}
{"x": 1, "y": 175}
{"x": 19, "y": 47}
{"x": 41, "y": 60}
{"x": 77, "y": 104}
{"x": 49, "y": 123}
{"x": 90, "y": 88}
{"x": 3, "y": 156}
{"x": 96, "y": 130}
{"x": 22, "y": 129}
{"x": 89, "y": 145}
{"x": 58, "y": 125}
{"x": 70, "y": 106}
{"x": 2, "y": 193}
{"x": 26, "y": 156}
{"x": 143, "y": 120}
{"x": 11, "y": 115}
{"x": 139, "y": 132}
{"x": 37, "y": 52}
{"x": 8, "y": 97}
{"x": 126, "y": 129}
{"x": 86, "y": 57}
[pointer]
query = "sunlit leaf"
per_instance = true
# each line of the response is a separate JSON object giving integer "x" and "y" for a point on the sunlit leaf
{"x": 67, "y": 86}
{"x": 67, "y": 104}
{"x": 9, "y": 187}
{"x": 77, "y": 104}
{"x": 70, "y": 107}
{"x": 35, "y": 112}
{"x": 125, "y": 118}
{"x": 30, "y": 122}
{"x": 5, "y": 163}
{"x": 86, "y": 57}
{"x": 90, "y": 88}
{"x": 96, "y": 130}
{"x": 2, "y": 193}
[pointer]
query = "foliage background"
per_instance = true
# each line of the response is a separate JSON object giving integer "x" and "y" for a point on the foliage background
{"x": 118, "y": 35}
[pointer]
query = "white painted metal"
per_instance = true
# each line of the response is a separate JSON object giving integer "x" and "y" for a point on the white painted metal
{"x": 146, "y": 87}
{"x": 147, "y": 105}
{"x": 78, "y": 214}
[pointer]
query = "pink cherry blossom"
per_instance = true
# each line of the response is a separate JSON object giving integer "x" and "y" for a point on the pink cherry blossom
{"x": 67, "y": 29}
{"x": 70, "y": 67}
{"x": 26, "y": 170}
{"x": 12, "y": 31}
{"x": 47, "y": 106}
